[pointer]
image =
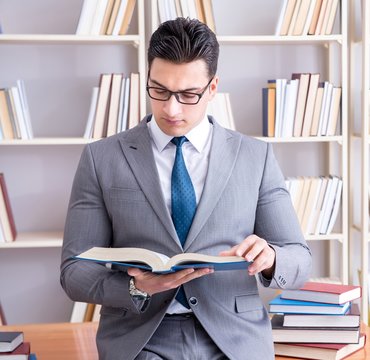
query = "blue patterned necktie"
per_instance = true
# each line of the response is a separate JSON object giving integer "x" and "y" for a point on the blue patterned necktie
{"x": 183, "y": 202}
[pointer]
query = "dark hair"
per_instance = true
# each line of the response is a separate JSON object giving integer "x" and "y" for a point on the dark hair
{"x": 183, "y": 41}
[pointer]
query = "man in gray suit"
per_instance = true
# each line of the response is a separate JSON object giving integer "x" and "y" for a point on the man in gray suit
{"x": 124, "y": 196}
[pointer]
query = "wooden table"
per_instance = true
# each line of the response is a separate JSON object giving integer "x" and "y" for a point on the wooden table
{"x": 76, "y": 341}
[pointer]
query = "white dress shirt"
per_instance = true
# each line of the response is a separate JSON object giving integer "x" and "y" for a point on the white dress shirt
{"x": 196, "y": 157}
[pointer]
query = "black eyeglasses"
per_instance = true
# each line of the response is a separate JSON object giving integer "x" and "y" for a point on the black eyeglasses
{"x": 183, "y": 97}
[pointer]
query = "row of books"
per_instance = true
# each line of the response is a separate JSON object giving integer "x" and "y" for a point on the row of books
{"x": 105, "y": 17}
{"x": 302, "y": 106}
{"x": 319, "y": 321}
{"x": 13, "y": 346}
{"x": 194, "y": 9}
{"x": 84, "y": 312}
{"x": 114, "y": 105}
{"x": 307, "y": 17}
{"x": 8, "y": 231}
{"x": 15, "y": 121}
{"x": 316, "y": 201}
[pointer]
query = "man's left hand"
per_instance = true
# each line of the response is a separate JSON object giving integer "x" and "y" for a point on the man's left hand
{"x": 256, "y": 249}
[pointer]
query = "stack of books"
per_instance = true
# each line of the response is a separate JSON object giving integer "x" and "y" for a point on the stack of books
{"x": 318, "y": 321}
{"x": 15, "y": 120}
{"x": 8, "y": 231}
{"x": 114, "y": 106}
{"x": 13, "y": 346}
{"x": 105, "y": 17}
{"x": 302, "y": 106}
{"x": 194, "y": 9}
{"x": 307, "y": 17}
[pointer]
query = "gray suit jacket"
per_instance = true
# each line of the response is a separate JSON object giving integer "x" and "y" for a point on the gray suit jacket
{"x": 116, "y": 201}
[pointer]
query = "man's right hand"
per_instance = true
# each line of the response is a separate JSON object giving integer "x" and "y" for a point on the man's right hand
{"x": 153, "y": 283}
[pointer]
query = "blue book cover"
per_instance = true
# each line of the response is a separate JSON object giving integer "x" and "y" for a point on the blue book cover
{"x": 280, "y": 305}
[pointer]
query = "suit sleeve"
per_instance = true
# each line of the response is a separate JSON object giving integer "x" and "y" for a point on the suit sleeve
{"x": 88, "y": 225}
{"x": 277, "y": 223}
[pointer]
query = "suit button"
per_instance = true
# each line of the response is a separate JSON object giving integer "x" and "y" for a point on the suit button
{"x": 193, "y": 301}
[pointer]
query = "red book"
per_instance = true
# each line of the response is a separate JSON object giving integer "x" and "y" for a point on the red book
{"x": 4, "y": 190}
{"x": 319, "y": 351}
{"x": 324, "y": 293}
{"x": 21, "y": 352}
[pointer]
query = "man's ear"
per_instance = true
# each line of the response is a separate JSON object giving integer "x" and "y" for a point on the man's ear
{"x": 213, "y": 87}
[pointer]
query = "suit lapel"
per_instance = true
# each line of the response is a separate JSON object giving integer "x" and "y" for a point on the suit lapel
{"x": 137, "y": 149}
{"x": 223, "y": 154}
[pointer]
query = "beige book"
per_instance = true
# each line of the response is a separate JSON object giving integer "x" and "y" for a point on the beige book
{"x": 287, "y": 17}
{"x": 309, "y": 208}
{"x": 5, "y": 220}
{"x": 294, "y": 17}
{"x": 331, "y": 18}
{"x": 301, "y": 17}
{"x": 208, "y": 14}
{"x": 114, "y": 104}
{"x": 310, "y": 104}
{"x": 113, "y": 17}
{"x": 315, "y": 17}
{"x": 5, "y": 121}
{"x": 134, "y": 114}
{"x": 334, "y": 111}
{"x": 200, "y": 10}
{"x": 320, "y": 20}
{"x": 304, "y": 80}
{"x": 100, "y": 121}
{"x": 303, "y": 198}
{"x": 326, "y": 17}
{"x": 96, "y": 313}
{"x": 106, "y": 18}
{"x": 317, "y": 110}
{"x": 127, "y": 17}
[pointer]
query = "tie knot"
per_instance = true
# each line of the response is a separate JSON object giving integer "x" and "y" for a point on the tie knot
{"x": 178, "y": 141}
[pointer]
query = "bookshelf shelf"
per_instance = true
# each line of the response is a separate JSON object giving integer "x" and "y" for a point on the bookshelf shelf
{"x": 278, "y": 40}
{"x": 324, "y": 139}
{"x": 21, "y": 39}
{"x": 47, "y": 141}
{"x": 35, "y": 240}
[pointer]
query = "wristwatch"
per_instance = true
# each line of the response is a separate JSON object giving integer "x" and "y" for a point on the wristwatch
{"x": 136, "y": 293}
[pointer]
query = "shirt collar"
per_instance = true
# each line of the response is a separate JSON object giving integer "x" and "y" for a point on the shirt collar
{"x": 197, "y": 136}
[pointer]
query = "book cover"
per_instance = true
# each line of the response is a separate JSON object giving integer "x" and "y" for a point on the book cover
{"x": 300, "y": 334}
{"x": 9, "y": 340}
{"x": 350, "y": 319}
{"x": 324, "y": 292}
{"x": 280, "y": 305}
{"x": 100, "y": 121}
{"x": 319, "y": 351}
{"x": 21, "y": 352}
{"x": 160, "y": 263}
{"x": 127, "y": 17}
{"x": 5, "y": 195}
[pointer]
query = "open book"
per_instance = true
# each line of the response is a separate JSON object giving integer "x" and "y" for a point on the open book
{"x": 160, "y": 263}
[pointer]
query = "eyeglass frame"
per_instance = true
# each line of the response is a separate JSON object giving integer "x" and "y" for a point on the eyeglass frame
{"x": 176, "y": 93}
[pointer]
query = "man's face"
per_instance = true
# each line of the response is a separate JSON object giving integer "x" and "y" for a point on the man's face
{"x": 173, "y": 118}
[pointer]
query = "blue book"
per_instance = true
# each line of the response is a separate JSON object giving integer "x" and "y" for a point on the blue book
{"x": 287, "y": 306}
{"x": 159, "y": 263}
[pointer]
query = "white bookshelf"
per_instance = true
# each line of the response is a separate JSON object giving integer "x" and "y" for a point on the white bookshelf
{"x": 238, "y": 40}
{"x": 39, "y": 171}
{"x": 360, "y": 149}
{"x": 59, "y": 69}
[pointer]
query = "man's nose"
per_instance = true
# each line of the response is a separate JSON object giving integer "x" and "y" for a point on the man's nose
{"x": 172, "y": 106}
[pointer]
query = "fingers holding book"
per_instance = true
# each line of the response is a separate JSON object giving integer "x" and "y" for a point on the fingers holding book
{"x": 153, "y": 283}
